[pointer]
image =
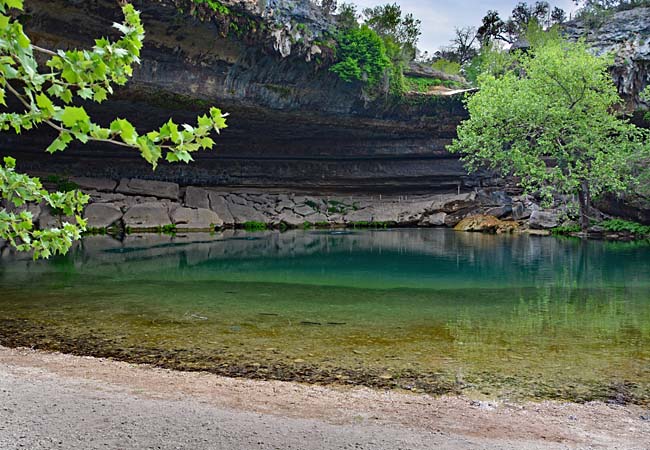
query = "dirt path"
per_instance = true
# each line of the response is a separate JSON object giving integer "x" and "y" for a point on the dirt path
{"x": 55, "y": 401}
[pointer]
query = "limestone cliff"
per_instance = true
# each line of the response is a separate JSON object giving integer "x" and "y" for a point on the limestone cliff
{"x": 626, "y": 34}
{"x": 292, "y": 124}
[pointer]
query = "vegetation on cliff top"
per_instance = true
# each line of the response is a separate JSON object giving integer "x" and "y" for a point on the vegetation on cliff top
{"x": 48, "y": 99}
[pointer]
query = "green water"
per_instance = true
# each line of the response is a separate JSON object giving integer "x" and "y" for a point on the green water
{"x": 425, "y": 310}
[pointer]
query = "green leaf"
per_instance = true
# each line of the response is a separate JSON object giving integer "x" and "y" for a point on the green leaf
{"x": 150, "y": 151}
{"x": 125, "y": 130}
{"x": 100, "y": 94}
{"x": 218, "y": 118}
{"x": 206, "y": 142}
{"x": 9, "y": 162}
{"x": 60, "y": 143}
{"x": 86, "y": 93}
{"x": 72, "y": 115}
{"x": 18, "y": 4}
{"x": 44, "y": 103}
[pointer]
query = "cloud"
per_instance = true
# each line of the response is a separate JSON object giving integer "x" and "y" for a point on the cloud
{"x": 439, "y": 17}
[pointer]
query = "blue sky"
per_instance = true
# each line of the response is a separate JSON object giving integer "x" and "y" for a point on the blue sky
{"x": 439, "y": 17}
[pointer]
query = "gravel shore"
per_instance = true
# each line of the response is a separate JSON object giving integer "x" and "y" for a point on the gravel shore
{"x": 56, "y": 401}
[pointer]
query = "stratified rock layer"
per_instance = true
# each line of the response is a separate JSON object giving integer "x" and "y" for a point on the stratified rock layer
{"x": 292, "y": 122}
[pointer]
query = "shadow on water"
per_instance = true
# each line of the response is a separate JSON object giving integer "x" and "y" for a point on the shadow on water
{"x": 426, "y": 310}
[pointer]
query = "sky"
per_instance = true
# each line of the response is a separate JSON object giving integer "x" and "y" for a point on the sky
{"x": 439, "y": 17}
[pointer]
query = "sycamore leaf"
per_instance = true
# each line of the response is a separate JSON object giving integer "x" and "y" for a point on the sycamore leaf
{"x": 125, "y": 130}
{"x": 72, "y": 115}
{"x": 60, "y": 143}
{"x": 44, "y": 103}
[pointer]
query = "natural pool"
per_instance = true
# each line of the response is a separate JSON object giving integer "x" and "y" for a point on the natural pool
{"x": 426, "y": 310}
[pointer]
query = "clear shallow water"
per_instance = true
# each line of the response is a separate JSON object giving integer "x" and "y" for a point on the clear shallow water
{"x": 433, "y": 310}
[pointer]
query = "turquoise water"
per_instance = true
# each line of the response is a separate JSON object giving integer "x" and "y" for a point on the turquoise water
{"x": 433, "y": 310}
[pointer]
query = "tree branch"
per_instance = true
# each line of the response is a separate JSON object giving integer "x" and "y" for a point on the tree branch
{"x": 60, "y": 129}
{"x": 44, "y": 50}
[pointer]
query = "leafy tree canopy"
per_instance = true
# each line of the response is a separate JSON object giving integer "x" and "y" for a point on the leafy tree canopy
{"x": 362, "y": 56}
{"x": 377, "y": 50}
{"x": 47, "y": 94}
{"x": 523, "y": 15}
{"x": 546, "y": 116}
{"x": 388, "y": 21}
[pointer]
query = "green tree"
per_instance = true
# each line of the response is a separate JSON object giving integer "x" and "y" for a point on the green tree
{"x": 548, "y": 119}
{"x": 347, "y": 16}
{"x": 362, "y": 56}
{"x": 47, "y": 93}
{"x": 388, "y": 22}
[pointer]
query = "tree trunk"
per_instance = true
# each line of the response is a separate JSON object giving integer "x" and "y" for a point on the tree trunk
{"x": 584, "y": 198}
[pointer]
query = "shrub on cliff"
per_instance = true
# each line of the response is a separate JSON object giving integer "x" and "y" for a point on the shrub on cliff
{"x": 47, "y": 98}
{"x": 362, "y": 56}
{"x": 377, "y": 51}
{"x": 548, "y": 118}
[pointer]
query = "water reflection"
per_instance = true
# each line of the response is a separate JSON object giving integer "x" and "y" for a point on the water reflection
{"x": 437, "y": 259}
{"x": 511, "y": 315}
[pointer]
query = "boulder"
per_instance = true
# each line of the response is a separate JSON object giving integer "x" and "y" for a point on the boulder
{"x": 454, "y": 203}
{"x": 385, "y": 213}
{"x": 147, "y": 216}
{"x": 197, "y": 198}
{"x": 362, "y": 215}
{"x": 36, "y": 209}
{"x": 543, "y": 220}
{"x": 494, "y": 198}
{"x": 95, "y": 184}
{"x": 486, "y": 224}
{"x": 219, "y": 205}
{"x": 245, "y": 213}
{"x": 199, "y": 219}
{"x": 304, "y": 210}
{"x": 316, "y": 218}
{"x": 452, "y": 219}
{"x": 434, "y": 220}
{"x": 49, "y": 220}
{"x": 520, "y": 212}
{"x": 291, "y": 219}
{"x": 237, "y": 199}
{"x": 499, "y": 211}
{"x": 412, "y": 213}
{"x": 284, "y": 204}
{"x": 148, "y": 188}
{"x": 102, "y": 215}
{"x": 106, "y": 197}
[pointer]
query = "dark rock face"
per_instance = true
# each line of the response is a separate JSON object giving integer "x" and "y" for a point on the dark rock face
{"x": 632, "y": 207}
{"x": 292, "y": 123}
{"x": 627, "y": 35}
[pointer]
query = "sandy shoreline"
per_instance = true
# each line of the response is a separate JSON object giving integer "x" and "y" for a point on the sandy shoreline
{"x": 51, "y": 400}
